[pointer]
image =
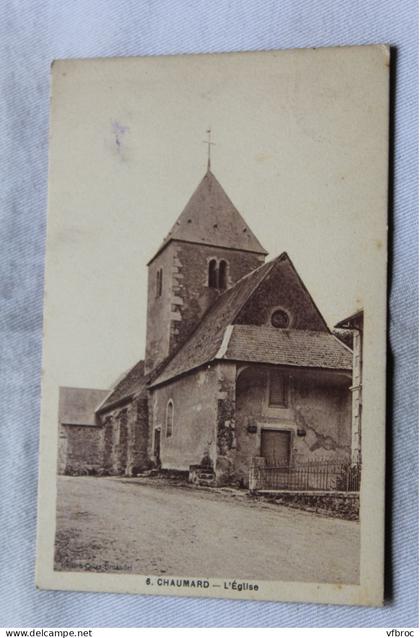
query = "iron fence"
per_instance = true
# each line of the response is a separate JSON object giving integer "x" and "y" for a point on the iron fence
{"x": 320, "y": 475}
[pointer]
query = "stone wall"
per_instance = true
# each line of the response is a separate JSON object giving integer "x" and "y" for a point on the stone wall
{"x": 137, "y": 444}
{"x": 62, "y": 450}
{"x": 204, "y": 421}
{"x": 125, "y": 438}
{"x": 81, "y": 449}
{"x": 343, "y": 505}
{"x": 282, "y": 288}
{"x": 226, "y": 424}
{"x": 322, "y": 408}
{"x": 220, "y": 420}
{"x": 193, "y": 438}
{"x": 191, "y": 281}
{"x": 80, "y": 438}
{"x": 159, "y": 313}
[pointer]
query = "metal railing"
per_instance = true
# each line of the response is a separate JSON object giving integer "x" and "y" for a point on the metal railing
{"x": 319, "y": 475}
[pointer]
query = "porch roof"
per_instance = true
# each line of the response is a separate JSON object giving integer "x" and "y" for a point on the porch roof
{"x": 264, "y": 344}
{"x": 301, "y": 348}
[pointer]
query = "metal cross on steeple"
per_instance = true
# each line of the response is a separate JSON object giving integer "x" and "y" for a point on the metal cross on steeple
{"x": 209, "y": 145}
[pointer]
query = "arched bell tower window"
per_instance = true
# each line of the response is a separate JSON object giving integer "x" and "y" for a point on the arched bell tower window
{"x": 212, "y": 278}
{"x": 169, "y": 418}
{"x": 217, "y": 274}
{"x": 222, "y": 274}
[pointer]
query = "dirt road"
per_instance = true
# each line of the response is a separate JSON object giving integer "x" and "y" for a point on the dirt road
{"x": 111, "y": 524}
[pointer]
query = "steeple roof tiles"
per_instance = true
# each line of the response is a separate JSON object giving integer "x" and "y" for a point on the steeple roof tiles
{"x": 211, "y": 218}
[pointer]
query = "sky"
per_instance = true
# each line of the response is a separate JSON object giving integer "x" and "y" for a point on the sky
{"x": 300, "y": 148}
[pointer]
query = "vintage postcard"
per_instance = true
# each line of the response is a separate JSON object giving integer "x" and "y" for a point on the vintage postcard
{"x": 213, "y": 393}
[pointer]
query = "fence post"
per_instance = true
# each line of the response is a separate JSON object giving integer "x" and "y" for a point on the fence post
{"x": 256, "y": 481}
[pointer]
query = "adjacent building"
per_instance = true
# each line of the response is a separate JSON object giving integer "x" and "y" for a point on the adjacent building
{"x": 80, "y": 434}
{"x": 355, "y": 324}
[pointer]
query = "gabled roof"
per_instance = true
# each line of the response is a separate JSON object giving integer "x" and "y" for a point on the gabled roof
{"x": 76, "y": 406}
{"x": 219, "y": 337}
{"x": 130, "y": 384}
{"x": 298, "y": 348}
{"x": 207, "y": 338}
{"x": 211, "y": 218}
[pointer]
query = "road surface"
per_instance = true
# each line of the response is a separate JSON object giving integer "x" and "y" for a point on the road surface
{"x": 115, "y": 524}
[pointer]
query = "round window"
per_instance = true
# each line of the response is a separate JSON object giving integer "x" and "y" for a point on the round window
{"x": 280, "y": 319}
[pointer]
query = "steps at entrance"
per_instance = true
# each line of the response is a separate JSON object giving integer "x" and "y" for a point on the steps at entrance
{"x": 199, "y": 475}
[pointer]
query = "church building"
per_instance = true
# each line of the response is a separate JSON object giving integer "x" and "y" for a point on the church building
{"x": 239, "y": 363}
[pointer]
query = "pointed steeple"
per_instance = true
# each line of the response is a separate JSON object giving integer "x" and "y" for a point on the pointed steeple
{"x": 211, "y": 218}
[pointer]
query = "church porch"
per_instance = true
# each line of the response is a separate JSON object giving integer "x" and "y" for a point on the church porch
{"x": 225, "y": 415}
{"x": 286, "y": 415}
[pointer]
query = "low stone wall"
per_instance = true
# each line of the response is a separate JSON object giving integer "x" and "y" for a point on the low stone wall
{"x": 338, "y": 504}
{"x": 174, "y": 475}
{"x": 83, "y": 469}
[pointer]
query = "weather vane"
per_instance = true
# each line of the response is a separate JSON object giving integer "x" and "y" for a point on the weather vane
{"x": 209, "y": 145}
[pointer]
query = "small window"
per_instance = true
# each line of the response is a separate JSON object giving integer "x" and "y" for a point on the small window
{"x": 159, "y": 282}
{"x": 169, "y": 418}
{"x": 212, "y": 274}
{"x": 222, "y": 274}
{"x": 280, "y": 319}
{"x": 278, "y": 395}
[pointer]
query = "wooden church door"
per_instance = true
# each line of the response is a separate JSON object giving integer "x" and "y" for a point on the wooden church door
{"x": 275, "y": 446}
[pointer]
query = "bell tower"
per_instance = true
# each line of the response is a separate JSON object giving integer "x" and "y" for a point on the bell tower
{"x": 208, "y": 249}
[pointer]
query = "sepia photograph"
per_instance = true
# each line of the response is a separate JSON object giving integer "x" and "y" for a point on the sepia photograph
{"x": 213, "y": 397}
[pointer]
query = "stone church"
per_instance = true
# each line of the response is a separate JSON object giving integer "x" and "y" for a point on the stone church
{"x": 239, "y": 363}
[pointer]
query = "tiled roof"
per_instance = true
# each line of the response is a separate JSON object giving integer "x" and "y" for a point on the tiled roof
{"x": 206, "y": 340}
{"x": 303, "y": 348}
{"x": 211, "y": 218}
{"x": 133, "y": 382}
{"x": 76, "y": 406}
